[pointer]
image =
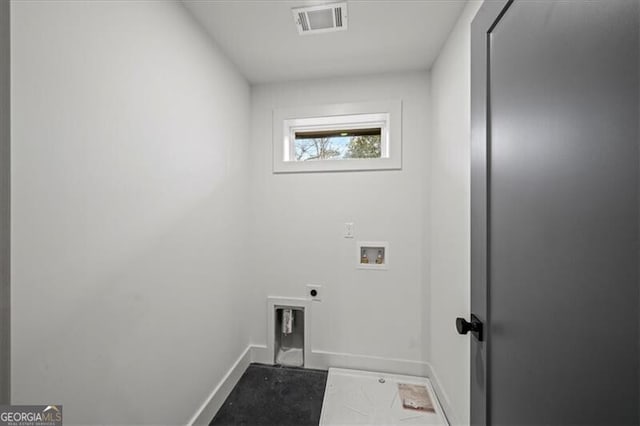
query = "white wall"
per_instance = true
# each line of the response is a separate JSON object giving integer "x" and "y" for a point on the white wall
{"x": 130, "y": 137}
{"x": 297, "y": 225}
{"x": 449, "y": 233}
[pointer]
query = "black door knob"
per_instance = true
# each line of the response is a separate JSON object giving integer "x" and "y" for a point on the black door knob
{"x": 463, "y": 326}
{"x": 475, "y": 327}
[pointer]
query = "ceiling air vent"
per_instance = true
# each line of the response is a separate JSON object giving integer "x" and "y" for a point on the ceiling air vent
{"x": 321, "y": 19}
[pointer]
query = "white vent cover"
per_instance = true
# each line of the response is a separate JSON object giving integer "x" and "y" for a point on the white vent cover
{"x": 321, "y": 19}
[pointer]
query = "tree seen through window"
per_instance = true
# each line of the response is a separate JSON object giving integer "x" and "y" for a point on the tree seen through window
{"x": 338, "y": 145}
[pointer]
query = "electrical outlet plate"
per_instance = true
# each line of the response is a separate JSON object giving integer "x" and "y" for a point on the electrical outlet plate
{"x": 316, "y": 287}
{"x": 348, "y": 230}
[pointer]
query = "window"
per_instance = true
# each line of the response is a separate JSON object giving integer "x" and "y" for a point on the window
{"x": 364, "y": 136}
{"x": 337, "y": 144}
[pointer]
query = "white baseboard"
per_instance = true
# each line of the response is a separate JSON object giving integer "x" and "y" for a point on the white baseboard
{"x": 324, "y": 360}
{"x": 216, "y": 398}
{"x": 321, "y": 360}
{"x": 442, "y": 396}
{"x": 261, "y": 354}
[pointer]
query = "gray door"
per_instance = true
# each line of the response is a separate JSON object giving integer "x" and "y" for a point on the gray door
{"x": 555, "y": 212}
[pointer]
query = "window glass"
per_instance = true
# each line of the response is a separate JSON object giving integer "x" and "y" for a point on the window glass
{"x": 338, "y": 144}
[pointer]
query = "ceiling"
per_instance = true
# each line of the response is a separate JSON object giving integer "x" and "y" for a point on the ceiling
{"x": 261, "y": 38}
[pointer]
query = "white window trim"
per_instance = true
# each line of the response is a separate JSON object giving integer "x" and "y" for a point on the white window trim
{"x": 288, "y": 120}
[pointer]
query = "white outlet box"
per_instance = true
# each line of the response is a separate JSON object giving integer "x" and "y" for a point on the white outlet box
{"x": 372, "y": 255}
{"x": 318, "y": 289}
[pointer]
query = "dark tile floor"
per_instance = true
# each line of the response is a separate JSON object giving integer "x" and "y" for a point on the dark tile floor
{"x": 274, "y": 396}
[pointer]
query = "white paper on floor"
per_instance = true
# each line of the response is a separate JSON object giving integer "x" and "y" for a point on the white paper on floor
{"x": 368, "y": 398}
